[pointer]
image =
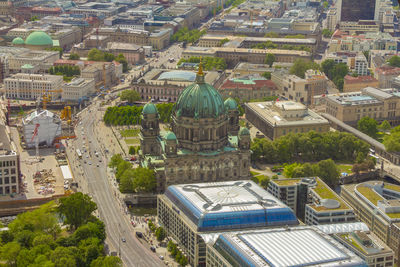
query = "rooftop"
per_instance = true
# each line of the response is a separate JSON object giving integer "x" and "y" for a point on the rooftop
{"x": 326, "y": 193}
{"x": 304, "y": 246}
{"x": 229, "y": 205}
{"x": 286, "y": 113}
{"x": 363, "y": 243}
{"x": 360, "y": 79}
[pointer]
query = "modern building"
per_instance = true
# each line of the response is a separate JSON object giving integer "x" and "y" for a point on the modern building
{"x": 248, "y": 87}
{"x": 78, "y": 89}
{"x": 233, "y": 56}
{"x": 290, "y": 246}
{"x": 312, "y": 200}
{"x": 9, "y": 163}
{"x": 356, "y": 84}
{"x": 378, "y": 205}
{"x": 368, "y": 247}
{"x": 332, "y": 19}
{"x": 355, "y": 10}
{"x": 294, "y": 88}
{"x": 33, "y": 86}
{"x": 47, "y": 125}
{"x": 205, "y": 143}
{"x": 278, "y": 118}
{"x": 167, "y": 85}
{"x": 356, "y": 61}
{"x": 380, "y": 104}
{"x": 189, "y": 210}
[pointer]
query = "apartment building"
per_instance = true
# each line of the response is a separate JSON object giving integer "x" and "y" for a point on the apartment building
{"x": 380, "y": 104}
{"x": 300, "y": 90}
{"x": 78, "y": 89}
{"x": 312, "y": 200}
{"x": 385, "y": 75}
{"x": 33, "y": 86}
{"x": 356, "y": 84}
{"x": 9, "y": 163}
{"x": 356, "y": 62}
{"x": 377, "y": 204}
{"x": 277, "y": 118}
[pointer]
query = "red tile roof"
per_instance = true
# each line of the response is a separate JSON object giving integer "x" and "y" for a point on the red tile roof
{"x": 388, "y": 70}
{"x": 360, "y": 79}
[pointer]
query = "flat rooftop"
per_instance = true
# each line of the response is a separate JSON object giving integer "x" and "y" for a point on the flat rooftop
{"x": 236, "y": 204}
{"x": 296, "y": 246}
{"x": 268, "y": 112}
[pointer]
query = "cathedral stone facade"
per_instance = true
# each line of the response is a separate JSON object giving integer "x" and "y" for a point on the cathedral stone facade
{"x": 205, "y": 143}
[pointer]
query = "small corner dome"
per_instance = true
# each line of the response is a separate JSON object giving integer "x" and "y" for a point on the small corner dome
{"x": 170, "y": 136}
{"x": 230, "y": 104}
{"x": 18, "y": 41}
{"x": 39, "y": 38}
{"x": 149, "y": 108}
{"x": 244, "y": 131}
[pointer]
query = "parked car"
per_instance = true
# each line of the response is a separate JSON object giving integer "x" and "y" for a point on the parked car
{"x": 139, "y": 234}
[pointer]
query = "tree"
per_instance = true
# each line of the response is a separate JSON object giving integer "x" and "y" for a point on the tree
{"x": 130, "y": 95}
{"x": 368, "y": 126}
{"x": 107, "y": 261}
{"x": 145, "y": 180}
{"x": 95, "y": 55}
{"x": 223, "y": 41}
{"x": 300, "y": 67}
{"x": 328, "y": 172}
{"x": 325, "y": 4}
{"x": 269, "y": 59}
{"x": 339, "y": 82}
{"x": 267, "y": 75}
{"x": 392, "y": 140}
{"x": 77, "y": 209}
{"x": 394, "y": 61}
{"x": 74, "y": 56}
{"x": 271, "y": 35}
{"x": 9, "y": 253}
{"x": 327, "y": 67}
{"x": 121, "y": 59}
{"x": 385, "y": 126}
{"x": 160, "y": 234}
{"x": 115, "y": 160}
{"x": 132, "y": 150}
{"x": 326, "y": 32}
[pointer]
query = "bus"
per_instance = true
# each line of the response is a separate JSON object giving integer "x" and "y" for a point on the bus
{"x": 78, "y": 152}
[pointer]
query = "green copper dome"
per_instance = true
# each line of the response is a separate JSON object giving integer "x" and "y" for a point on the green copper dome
{"x": 244, "y": 131}
{"x": 170, "y": 136}
{"x": 149, "y": 108}
{"x": 39, "y": 38}
{"x": 230, "y": 104}
{"x": 18, "y": 41}
{"x": 200, "y": 100}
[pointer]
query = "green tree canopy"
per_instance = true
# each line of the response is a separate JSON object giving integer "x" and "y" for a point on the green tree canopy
{"x": 385, "y": 126}
{"x": 368, "y": 126}
{"x": 392, "y": 140}
{"x": 77, "y": 209}
{"x": 394, "y": 61}
{"x": 267, "y": 75}
{"x": 130, "y": 95}
{"x": 74, "y": 56}
{"x": 271, "y": 35}
{"x": 300, "y": 67}
{"x": 269, "y": 59}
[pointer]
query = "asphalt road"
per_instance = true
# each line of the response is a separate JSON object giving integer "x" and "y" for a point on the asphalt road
{"x": 96, "y": 183}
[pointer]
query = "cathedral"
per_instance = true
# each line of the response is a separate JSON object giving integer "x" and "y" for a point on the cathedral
{"x": 204, "y": 144}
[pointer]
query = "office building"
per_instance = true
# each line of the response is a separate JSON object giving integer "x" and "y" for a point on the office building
{"x": 78, "y": 89}
{"x": 380, "y": 104}
{"x": 33, "y": 86}
{"x": 187, "y": 211}
{"x": 351, "y": 10}
{"x": 378, "y": 205}
{"x": 278, "y": 118}
{"x": 312, "y": 200}
{"x": 298, "y": 89}
{"x": 9, "y": 163}
{"x": 291, "y": 246}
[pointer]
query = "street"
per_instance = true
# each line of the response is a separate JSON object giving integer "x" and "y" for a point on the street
{"x": 95, "y": 181}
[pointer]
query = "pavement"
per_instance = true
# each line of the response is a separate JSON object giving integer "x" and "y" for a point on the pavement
{"x": 97, "y": 182}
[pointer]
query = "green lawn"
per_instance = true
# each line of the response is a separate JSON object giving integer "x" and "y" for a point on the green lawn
{"x": 132, "y": 141}
{"x": 130, "y": 132}
{"x": 345, "y": 168}
{"x": 254, "y": 173}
